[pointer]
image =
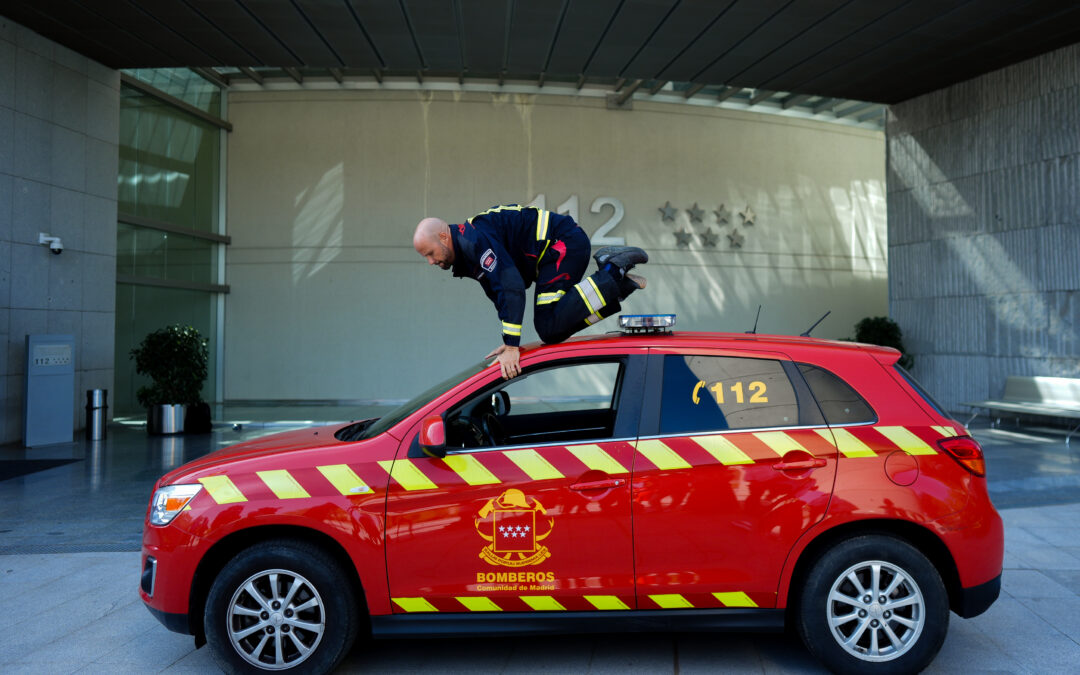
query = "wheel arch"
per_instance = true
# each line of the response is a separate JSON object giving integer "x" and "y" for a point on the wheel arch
{"x": 229, "y": 546}
{"x": 918, "y": 536}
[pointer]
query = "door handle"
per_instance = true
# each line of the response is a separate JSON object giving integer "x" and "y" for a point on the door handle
{"x": 801, "y": 465}
{"x": 597, "y": 484}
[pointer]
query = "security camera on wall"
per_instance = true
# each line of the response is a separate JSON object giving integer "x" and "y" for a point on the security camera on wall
{"x": 54, "y": 243}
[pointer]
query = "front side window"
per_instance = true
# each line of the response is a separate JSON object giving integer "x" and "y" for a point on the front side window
{"x": 559, "y": 404}
{"x": 714, "y": 393}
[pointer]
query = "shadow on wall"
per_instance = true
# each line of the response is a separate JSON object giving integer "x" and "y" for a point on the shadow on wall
{"x": 318, "y": 227}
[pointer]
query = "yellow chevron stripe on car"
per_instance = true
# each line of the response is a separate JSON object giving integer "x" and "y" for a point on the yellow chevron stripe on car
{"x": 479, "y": 604}
{"x": 606, "y": 602}
{"x": 779, "y": 442}
{"x": 657, "y": 452}
{"x": 414, "y": 604}
{"x": 846, "y": 443}
{"x": 735, "y": 599}
{"x": 906, "y": 441}
{"x": 595, "y": 457}
{"x": 222, "y": 490}
{"x": 945, "y": 431}
{"x": 283, "y": 484}
{"x": 671, "y": 601}
{"x": 722, "y": 449}
{"x": 407, "y": 475}
{"x": 471, "y": 470}
{"x": 543, "y": 603}
{"x": 344, "y": 479}
{"x": 533, "y": 464}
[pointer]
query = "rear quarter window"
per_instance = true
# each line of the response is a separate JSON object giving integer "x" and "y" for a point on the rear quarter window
{"x": 716, "y": 393}
{"x": 839, "y": 402}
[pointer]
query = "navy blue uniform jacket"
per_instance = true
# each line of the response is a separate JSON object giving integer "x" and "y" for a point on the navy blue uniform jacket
{"x": 502, "y": 248}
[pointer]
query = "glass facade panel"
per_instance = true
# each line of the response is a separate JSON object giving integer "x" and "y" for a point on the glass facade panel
{"x": 169, "y": 163}
{"x": 183, "y": 84}
{"x": 140, "y": 310}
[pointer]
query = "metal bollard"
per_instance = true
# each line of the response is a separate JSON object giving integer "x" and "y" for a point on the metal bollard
{"x": 97, "y": 413}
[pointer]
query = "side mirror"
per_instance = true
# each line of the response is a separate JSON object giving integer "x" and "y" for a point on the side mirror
{"x": 433, "y": 437}
{"x": 500, "y": 403}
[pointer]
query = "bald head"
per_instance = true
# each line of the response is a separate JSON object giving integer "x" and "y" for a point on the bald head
{"x": 432, "y": 241}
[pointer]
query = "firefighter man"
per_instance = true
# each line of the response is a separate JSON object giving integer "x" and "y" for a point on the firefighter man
{"x": 506, "y": 248}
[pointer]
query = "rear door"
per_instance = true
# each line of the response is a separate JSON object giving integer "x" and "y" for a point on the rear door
{"x": 734, "y": 463}
{"x": 531, "y": 510}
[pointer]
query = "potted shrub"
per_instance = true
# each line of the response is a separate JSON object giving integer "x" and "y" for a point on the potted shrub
{"x": 883, "y": 331}
{"x": 175, "y": 359}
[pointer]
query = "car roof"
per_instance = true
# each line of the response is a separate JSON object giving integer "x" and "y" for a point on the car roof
{"x": 791, "y": 344}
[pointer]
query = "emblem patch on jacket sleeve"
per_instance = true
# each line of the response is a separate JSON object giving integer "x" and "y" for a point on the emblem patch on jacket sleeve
{"x": 488, "y": 260}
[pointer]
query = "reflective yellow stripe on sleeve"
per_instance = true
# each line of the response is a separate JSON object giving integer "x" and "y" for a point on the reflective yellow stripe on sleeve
{"x": 511, "y": 329}
{"x": 542, "y": 218}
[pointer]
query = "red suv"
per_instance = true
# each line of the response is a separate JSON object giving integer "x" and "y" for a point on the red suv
{"x": 633, "y": 482}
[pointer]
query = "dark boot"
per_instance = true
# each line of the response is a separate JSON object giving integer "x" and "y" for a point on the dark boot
{"x": 618, "y": 260}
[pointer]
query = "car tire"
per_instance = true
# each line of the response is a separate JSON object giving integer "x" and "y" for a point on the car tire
{"x": 282, "y": 594}
{"x": 850, "y": 634}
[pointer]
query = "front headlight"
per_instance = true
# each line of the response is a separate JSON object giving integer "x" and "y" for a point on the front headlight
{"x": 171, "y": 500}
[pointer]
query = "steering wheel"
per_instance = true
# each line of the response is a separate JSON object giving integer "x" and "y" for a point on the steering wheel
{"x": 492, "y": 428}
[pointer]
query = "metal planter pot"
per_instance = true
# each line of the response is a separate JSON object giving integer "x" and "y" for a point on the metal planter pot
{"x": 165, "y": 419}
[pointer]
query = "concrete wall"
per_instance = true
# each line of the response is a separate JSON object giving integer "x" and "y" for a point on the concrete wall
{"x": 329, "y": 301}
{"x": 58, "y": 159}
{"x": 984, "y": 227}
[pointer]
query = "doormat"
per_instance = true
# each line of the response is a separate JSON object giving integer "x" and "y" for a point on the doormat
{"x": 13, "y": 468}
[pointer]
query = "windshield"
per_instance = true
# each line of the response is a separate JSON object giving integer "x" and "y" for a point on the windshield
{"x": 419, "y": 401}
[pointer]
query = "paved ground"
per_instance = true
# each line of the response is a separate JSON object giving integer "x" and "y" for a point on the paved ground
{"x": 69, "y": 566}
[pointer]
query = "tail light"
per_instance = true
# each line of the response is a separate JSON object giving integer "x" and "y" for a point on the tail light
{"x": 966, "y": 451}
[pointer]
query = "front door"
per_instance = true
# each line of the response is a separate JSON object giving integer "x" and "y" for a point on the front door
{"x": 530, "y": 511}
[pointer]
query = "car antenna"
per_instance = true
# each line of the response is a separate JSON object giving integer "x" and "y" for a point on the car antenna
{"x": 807, "y": 333}
{"x": 753, "y": 331}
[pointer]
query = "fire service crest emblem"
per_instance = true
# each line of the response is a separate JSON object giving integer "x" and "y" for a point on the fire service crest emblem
{"x": 509, "y": 524}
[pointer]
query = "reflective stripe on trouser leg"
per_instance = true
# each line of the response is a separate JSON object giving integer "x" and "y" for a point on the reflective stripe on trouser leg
{"x": 590, "y": 293}
{"x": 548, "y": 298}
{"x": 602, "y": 314}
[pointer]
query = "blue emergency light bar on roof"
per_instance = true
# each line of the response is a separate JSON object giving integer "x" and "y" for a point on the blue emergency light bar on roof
{"x": 646, "y": 323}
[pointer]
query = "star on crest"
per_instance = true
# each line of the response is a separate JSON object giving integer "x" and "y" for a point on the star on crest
{"x": 709, "y": 238}
{"x": 696, "y": 214}
{"x": 682, "y": 238}
{"x": 748, "y": 215}
{"x": 668, "y": 211}
{"x": 722, "y": 215}
{"x": 736, "y": 239}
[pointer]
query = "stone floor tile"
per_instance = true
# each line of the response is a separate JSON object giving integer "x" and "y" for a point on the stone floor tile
{"x": 1032, "y": 584}
{"x": 1048, "y": 557}
{"x": 1061, "y": 613}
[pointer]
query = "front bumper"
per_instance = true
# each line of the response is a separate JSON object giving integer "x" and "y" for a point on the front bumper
{"x": 977, "y": 599}
{"x": 177, "y": 623}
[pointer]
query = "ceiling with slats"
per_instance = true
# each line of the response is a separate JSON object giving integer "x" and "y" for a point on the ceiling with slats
{"x": 870, "y": 50}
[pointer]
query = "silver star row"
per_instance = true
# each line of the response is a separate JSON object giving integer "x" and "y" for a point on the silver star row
{"x": 708, "y": 238}
{"x": 697, "y": 215}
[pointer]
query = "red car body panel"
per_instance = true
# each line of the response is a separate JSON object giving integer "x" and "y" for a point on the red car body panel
{"x": 649, "y": 522}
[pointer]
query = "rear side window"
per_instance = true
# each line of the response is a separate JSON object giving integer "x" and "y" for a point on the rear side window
{"x": 838, "y": 401}
{"x": 714, "y": 393}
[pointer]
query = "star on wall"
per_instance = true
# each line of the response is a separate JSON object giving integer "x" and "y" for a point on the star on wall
{"x": 736, "y": 239}
{"x": 748, "y": 215}
{"x": 682, "y": 238}
{"x": 696, "y": 214}
{"x": 668, "y": 211}
{"x": 709, "y": 238}
{"x": 722, "y": 215}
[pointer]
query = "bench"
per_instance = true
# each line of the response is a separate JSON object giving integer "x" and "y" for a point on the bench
{"x": 1048, "y": 396}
